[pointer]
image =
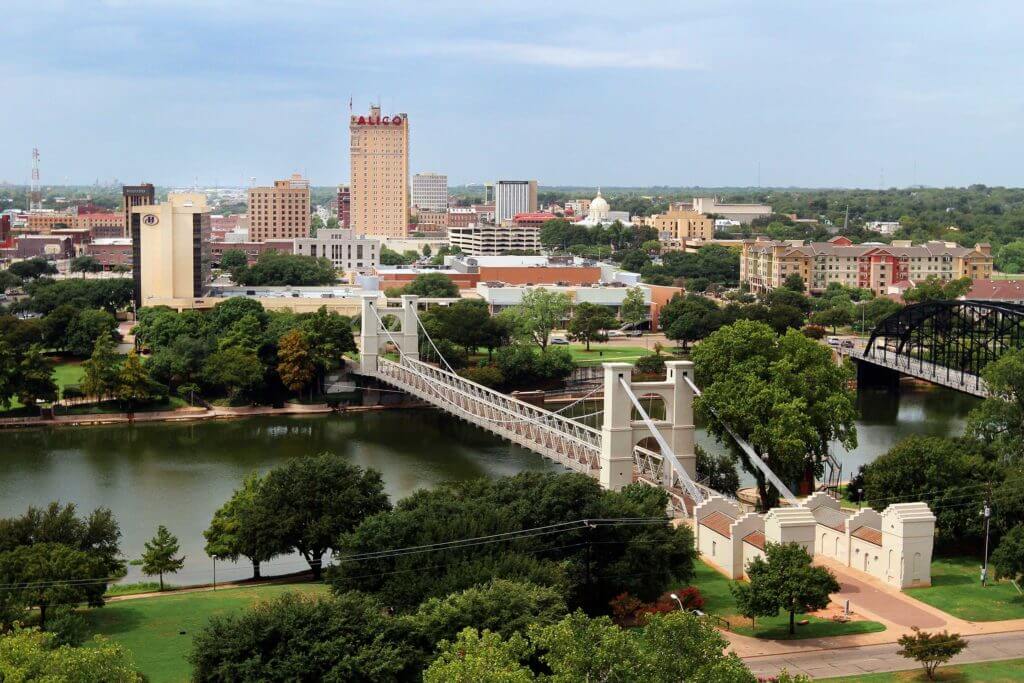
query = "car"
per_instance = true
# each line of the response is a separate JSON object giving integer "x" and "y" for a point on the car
{"x": 847, "y": 344}
{"x": 615, "y": 333}
{"x": 634, "y": 333}
{"x": 833, "y": 341}
{"x": 559, "y": 341}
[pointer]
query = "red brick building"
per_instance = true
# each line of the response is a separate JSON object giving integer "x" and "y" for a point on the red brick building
{"x": 111, "y": 251}
{"x": 252, "y": 249}
{"x": 532, "y": 219}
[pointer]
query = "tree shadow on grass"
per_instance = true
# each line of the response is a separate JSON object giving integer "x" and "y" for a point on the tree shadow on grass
{"x": 113, "y": 621}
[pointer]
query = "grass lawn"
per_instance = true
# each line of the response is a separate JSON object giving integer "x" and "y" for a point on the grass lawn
{"x": 956, "y": 589}
{"x": 718, "y": 600}
{"x": 63, "y": 374}
{"x": 989, "y": 672}
{"x": 1007, "y": 276}
{"x": 603, "y": 353}
{"x": 151, "y": 628}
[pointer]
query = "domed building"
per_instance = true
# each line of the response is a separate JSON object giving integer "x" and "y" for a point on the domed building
{"x": 601, "y": 213}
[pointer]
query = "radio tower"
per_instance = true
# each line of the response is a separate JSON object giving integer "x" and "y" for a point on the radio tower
{"x": 35, "y": 197}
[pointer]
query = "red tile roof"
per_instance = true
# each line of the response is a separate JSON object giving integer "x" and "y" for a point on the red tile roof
{"x": 755, "y": 538}
{"x": 997, "y": 290}
{"x": 718, "y": 522}
{"x": 866, "y": 533}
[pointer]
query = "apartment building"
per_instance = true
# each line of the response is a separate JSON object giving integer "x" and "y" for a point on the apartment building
{"x": 379, "y": 154}
{"x": 279, "y": 212}
{"x": 765, "y": 264}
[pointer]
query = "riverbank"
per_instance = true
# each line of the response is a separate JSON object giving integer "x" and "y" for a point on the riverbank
{"x": 193, "y": 414}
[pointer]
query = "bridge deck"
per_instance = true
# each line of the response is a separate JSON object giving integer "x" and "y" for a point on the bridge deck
{"x": 922, "y": 369}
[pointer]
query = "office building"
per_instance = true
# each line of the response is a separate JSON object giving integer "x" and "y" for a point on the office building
{"x": 344, "y": 206}
{"x": 171, "y": 249}
{"x": 744, "y": 213}
{"x": 512, "y": 197}
{"x": 379, "y": 151}
{"x": 279, "y": 212}
{"x": 349, "y": 252}
{"x": 134, "y": 195}
{"x": 682, "y": 224}
{"x": 765, "y": 264}
{"x": 430, "y": 192}
{"x": 44, "y": 221}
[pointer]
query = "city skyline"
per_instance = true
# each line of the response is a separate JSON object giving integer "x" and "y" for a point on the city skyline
{"x": 737, "y": 94}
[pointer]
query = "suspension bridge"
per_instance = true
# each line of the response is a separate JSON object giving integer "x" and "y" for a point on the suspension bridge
{"x": 629, "y": 445}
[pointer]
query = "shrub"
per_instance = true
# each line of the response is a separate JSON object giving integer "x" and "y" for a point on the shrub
{"x": 488, "y": 375}
{"x": 653, "y": 364}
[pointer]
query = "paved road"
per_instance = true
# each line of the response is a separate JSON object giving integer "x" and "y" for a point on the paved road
{"x": 898, "y": 609}
{"x": 854, "y": 661}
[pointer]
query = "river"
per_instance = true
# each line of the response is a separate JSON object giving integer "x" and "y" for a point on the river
{"x": 178, "y": 473}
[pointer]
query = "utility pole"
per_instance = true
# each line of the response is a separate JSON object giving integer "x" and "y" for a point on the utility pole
{"x": 987, "y": 511}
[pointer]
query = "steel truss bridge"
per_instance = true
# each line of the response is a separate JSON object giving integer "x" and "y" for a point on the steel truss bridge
{"x": 611, "y": 454}
{"x": 946, "y": 342}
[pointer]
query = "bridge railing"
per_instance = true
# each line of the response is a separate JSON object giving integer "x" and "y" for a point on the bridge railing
{"x": 939, "y": 374}
{"x": 560, "y": 438}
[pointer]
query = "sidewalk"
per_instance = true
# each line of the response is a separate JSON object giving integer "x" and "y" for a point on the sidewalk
{"x": 855, "y": 661}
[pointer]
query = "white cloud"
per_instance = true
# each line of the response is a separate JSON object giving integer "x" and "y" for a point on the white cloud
{"x": 561, "y": 55}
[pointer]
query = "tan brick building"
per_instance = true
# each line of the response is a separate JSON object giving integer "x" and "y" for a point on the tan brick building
{"x": 379, "y": 154}
{"x": 684, "y": 224}
{"x": 765, "y": 264}
{"x": 281, "y": 211}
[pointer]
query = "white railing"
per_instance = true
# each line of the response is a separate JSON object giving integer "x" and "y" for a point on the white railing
{"x": 922, "y": 369}
{"x": 562, "y": 439}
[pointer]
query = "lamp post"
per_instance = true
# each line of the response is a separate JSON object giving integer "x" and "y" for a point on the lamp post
{"x": 987, "y": 511}
{"x": 678, "y": 602}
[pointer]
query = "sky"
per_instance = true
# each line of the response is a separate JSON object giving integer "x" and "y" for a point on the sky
{"x": 815, "y": 93}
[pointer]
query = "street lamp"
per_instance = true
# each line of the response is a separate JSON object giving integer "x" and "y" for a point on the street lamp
{"x": 678, "y": 602}
{"x": 984, "y": 570}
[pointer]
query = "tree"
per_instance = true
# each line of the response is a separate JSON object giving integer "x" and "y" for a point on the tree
{"x": 102, "y": 370}
{"x": 589, "y": 321}
{"x": 934, "y": 469}
{"x": 753, "y": 601}
{"x": 298, "y": 637}
{"x": 930, "y": 649}
{"x": 783, "y": 394}
{"x": 278, "y": 269}
{"x": 234, "y": 369}
{"x": 34, "y": 655}
{"x": 474, "y": 656}
{"x": 231, "y": 259}
{"x": 832, "y": 317}
{"x": 236, "y": 530}
{"x": 35, "y": 378}
{"x": 8, "y": 280}
{"x": 427, "y": 251}
{"x": 50, "y": 575}
{"x": 795, "y": 283}
{"x": 159, "y": 556}
{"x": 1010, "y": 257}
{"x": 329, "y": 336}
{"x": 8, "y": 374}
{"x": 690, "y": 318}
{"x": 32, "y": 268}
{"x": 310, "y": 502}
{"x": 539, "y": 312}
{"x": 786, "y": 578}
{"x": 245, "y": 333}
{"x": 85, "y": 264}
{"x": 635, "y": 309}
{"x": 133, "y": 382}
{"x": 935, "y": 289}
{"x": 84, "y": 327}
{"x": 432, "y": 285}
{"x": 719, "y": 471}
{"x": 1008, "y": 558}
{"x": 294, "y": 363}
{"x": 467, "y": 323}
{"x": 999, "y": 421}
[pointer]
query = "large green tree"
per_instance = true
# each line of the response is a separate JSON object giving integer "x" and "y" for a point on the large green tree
{"x": 539, "y": 313}
{"x": 160, "y": 556}
{"x": 432, "y": 285}
{"x": 309, "y": 503}
{"x": 294, "y": 362}
{"x": 634, "y": 309}
{"x": 783, "y": 394}
{"x": 238, "y": 530}
{"x": 1008, "y": 558}
{"x": 102, "y": 369}
{"x": 999, "y": 421}
{"x": 35, "y": 378}
{"x": 589, "y": 321}
{"x": 785, "y": 579}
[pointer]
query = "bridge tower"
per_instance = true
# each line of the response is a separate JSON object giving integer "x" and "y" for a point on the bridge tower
{"x": 620, "y": 433}
{"x": 372, "y": 334}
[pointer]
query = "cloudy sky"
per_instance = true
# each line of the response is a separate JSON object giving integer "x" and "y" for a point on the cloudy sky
{"x": 814, "y": 93}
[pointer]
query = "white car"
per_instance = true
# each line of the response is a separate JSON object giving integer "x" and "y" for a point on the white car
{"x": 615, "y": 333}
{"x": 559, "y": 341}
{"x": 833, "y": 341}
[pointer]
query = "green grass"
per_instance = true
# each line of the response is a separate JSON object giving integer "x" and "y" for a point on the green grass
{"x": 718, "y": 600}
{"x": 151, "y": 628}
{"x": 604, "y": 353}
{"x": 1007, "y": 276}
{"x": 956, "y": 589}
{"x": 981, "y": 672}
{"x": 63, "y": 374}
{"x": 132, "y": 588}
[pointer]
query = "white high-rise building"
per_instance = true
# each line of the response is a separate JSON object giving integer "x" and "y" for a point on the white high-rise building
{"x": 430, "y": 192}
{"x": 512, "y": 197}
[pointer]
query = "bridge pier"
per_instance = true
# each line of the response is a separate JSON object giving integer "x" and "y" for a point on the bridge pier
{"x": 872, "y": 376}
{"x": 372, "y": 334}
